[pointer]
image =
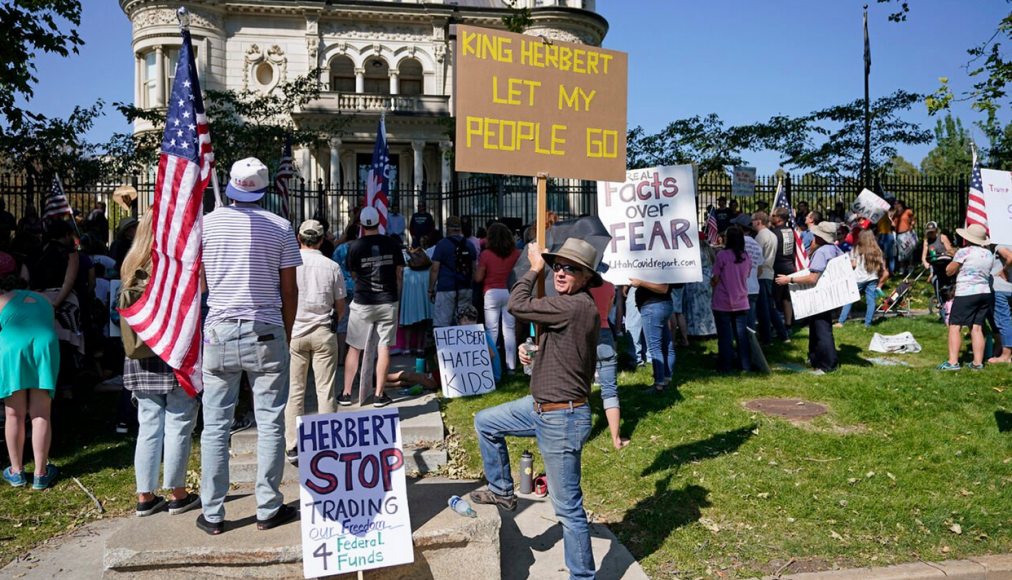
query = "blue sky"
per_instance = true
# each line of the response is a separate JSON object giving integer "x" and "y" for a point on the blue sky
{"x": 745, "y": 60}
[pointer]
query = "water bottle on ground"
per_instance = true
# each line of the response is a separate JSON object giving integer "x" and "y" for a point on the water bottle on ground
{"x": 531, "y": 349}
{"x": 460, "y": 505}
{"x": 526, "y": 472}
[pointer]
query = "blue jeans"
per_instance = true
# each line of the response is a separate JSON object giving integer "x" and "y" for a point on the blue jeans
{"x": 658, "y": 334}
{"x": 607, "y": 368}
{"x": 888, "y": 244}
{"x": 1002, "y": 317}
{"x": 259, "y": 349}
{"x": 560, "y": 435}
{"x": 165, "y": 423}
{"x": 634, "y": 327}
{"x": 767, "y": 313}
{"x": 732, "y": 328}
{"x": 753, "y": 321}
{"x": 869, "y": 290}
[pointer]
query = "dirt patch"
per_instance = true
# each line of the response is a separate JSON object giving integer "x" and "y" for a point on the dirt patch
{"x": 790, "y": 409}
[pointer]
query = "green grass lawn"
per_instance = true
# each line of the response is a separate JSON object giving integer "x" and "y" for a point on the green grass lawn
{"x": 910, "y": 463}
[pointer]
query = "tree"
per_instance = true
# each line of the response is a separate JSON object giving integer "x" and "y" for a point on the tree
{"x": 31, "y": 27}
{"x": 900, "y": 167}
{"x": 951, "y": 155}
{"x": 700, "y": 140}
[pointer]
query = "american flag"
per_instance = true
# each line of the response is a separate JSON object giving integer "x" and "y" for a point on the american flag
{"x": 712, "y": 236}
{"x": 377, "y": 191}
{"x": 286, "y": 170}
{"x": 800, "y": 255}
{"x": 976, "y": 213}
{"x": 167, "y": 315}
{"x": 57, "y": 205}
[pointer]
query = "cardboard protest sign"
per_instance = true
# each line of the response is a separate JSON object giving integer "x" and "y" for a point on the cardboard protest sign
{"x": 870, "y": 206}
{"x": 743, "y": 182}
{"x": 997, "y": 190}
{"x": 526, "y": 105}
{"x": 465, "y": 365}
{"x": 836, "y": 286}
{"x": 353, "y": 492}
{"x": 652, "y": 221}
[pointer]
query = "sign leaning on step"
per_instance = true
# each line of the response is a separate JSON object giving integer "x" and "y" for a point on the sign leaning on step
{"x": 836, "y": 286}
{"x": 997, "y": 190}
{"x": 465, "y": 364}
{"x": 353, "y": 492}
{"x": 652, "y": 221}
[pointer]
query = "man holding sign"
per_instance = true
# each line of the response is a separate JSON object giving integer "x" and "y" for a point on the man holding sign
{"x": 556, "y": 412}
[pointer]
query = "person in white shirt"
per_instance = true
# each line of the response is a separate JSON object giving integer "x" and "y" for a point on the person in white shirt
{"x": 321, "y": 302}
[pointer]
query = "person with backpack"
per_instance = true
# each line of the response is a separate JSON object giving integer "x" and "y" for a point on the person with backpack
{"x": 451, "y": 274}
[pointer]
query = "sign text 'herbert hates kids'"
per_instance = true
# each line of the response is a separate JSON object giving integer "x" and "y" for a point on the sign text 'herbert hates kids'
{"x": 527, "y": 105}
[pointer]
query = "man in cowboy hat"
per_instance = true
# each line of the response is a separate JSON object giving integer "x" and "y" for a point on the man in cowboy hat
{"x": 556, "y": 412}
{"x": 972, "y": 265}
{"x": 821, "y": 346}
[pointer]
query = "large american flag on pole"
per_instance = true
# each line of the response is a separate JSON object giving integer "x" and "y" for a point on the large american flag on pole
{"x": 712, "y": 235}
{"x": 800, "y": 255}
{"x": 377, "y": 190}
{"x": 976, "y": 212}
{"x": 167, "y": 315}
{"x": 286, "y": 171}
{"x": 57, "y": 205}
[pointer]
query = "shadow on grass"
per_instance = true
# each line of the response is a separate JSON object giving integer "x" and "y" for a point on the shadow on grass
{"x": 83, "y": 441}
{"x": 851, "y": 355}
{"x": 647, "y": 525}
{"x": 1003, "y": 420}
{"x": 714, "y": 446}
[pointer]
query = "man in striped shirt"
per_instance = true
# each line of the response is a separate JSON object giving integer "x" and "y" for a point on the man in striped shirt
{"x": 250, "y": 257}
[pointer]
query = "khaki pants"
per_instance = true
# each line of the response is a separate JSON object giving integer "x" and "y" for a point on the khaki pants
{"x": 318, "y": 348}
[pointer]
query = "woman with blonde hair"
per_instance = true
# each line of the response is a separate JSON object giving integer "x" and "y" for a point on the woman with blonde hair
{"x": 871, "y": 273}
{"x": 166, "y": 414}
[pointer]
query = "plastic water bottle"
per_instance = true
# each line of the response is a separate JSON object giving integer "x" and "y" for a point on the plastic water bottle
{"x": 530, "y": 348}
{"x": 460, "y": 505}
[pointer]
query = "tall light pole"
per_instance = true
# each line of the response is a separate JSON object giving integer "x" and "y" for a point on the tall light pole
{"x": 866, "y": 161}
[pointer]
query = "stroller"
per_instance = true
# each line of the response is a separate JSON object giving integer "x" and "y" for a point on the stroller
{"x": 897, "y": 303}
{"x": 942, "y": 284}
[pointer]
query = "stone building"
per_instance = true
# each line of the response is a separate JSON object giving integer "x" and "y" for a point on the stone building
{"x": 392, "y": 56}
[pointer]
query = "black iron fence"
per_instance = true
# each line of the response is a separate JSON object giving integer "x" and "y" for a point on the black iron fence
{"x": 512, "y": 199}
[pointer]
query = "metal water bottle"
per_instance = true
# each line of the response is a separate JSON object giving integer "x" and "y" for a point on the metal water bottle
{"x": 526, "y": 472}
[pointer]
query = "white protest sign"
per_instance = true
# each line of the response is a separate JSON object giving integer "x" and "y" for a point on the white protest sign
{"x": 997, "y": 190}
{"x": 836, "y": 286}
{"x": 652, "y": 221}
{"x": 870, "y": 206}
{"x": 743, "y": 182}
{"x": 353, "y": 492}
{"x": 465, "y": 364}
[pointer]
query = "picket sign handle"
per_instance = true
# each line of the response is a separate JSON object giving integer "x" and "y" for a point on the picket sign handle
{"x": 542, "y": 217}
{"x": 359, "y": 575}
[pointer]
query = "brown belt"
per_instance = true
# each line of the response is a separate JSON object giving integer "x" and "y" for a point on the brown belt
{"x": 546, "y": 407}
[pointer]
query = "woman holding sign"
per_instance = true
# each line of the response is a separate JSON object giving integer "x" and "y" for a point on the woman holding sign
{"x": 821, "y": 346}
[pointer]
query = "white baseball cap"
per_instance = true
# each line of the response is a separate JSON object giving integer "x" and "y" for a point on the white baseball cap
{"x": 248, "y": 180}
{"x": 369, "y": 217}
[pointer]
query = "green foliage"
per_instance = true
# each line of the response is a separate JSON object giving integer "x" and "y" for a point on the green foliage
{"x": 31, "y": 27}
{"x": 951, "y": 155}
{"x": 700, "y": 140}
{"x": 518, "y": 19}
{"x": 900, "y": 167}
{"x": 40, "y": 146}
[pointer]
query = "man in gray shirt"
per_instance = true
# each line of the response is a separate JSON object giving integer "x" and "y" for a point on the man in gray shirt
{"x": 766, "y": 311}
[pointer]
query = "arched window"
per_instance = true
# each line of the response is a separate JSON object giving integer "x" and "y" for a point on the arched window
{"x": 342, "y": 75}
{"x": 411, "y": 79}
{"x": 377, "y": 76}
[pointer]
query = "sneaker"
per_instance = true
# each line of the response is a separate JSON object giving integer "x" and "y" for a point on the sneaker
{"x": 146, "y": 508}
{"x": 344, "y": 400}
{"x": 122, "y": 429}
{"x": 41, "y": 482}
{"x": 486, "y": 496}
{"x": 284, "y": 515}
{"x": 974, "y": 367}
{"x": 292, "y": 455}
{"x": 838, "y": 325}
{"x": 179, "y": 506}
{"x": 382, "y": 401}
{"x": 210, "y": 528}
{"x": 947, "y": 366}
{"x": 15, "y": 479}
{"x": 241, "y": 424}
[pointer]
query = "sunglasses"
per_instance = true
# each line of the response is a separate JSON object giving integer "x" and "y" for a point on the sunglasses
{"x": 567, "y": 268}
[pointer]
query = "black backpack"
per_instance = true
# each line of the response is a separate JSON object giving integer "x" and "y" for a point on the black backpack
{"x": 463, "y": 263}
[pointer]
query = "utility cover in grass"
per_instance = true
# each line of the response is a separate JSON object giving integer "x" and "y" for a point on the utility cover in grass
{"x": 792, "y": 409}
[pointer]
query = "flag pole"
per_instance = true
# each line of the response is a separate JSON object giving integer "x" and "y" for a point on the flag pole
{"x": 73, "y": 220}
{"x": 866, "y": 161}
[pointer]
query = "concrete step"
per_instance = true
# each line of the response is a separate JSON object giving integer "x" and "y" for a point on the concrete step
{"x": 445, "y": 544}
{"x": 421, "y": 460}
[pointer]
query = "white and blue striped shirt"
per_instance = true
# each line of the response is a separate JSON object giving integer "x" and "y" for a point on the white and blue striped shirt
{"x": 245, "y": 248}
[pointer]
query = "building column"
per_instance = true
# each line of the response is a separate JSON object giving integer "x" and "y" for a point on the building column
{"x": 419, "y": 148}
{"x": 360, "y": 80}
{"x": 138, "y": 81}
{"x": 395, "y": 84}
{"x": 335, "y": 163}
{"x": 159, "y": 77}
{"x": 445, "y": 152}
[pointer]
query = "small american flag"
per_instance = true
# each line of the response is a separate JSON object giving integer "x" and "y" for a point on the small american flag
{"x": 57, "y": 205}
{"x": 167, "y": 315}
{"x": 800, "y": 255}
{"x": 286, "y": 170}
{"x": 712, "y": 236}
{"x": 377, "y": 191}
{"x": 976, "y": 213}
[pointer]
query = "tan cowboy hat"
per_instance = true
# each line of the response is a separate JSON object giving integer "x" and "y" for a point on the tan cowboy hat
{"x": 826, "y": 231}
{"x": 580, "y": 252}
{"x": 975, "y": 234}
